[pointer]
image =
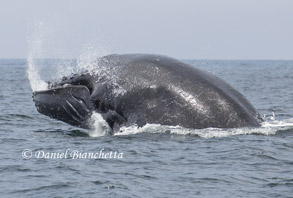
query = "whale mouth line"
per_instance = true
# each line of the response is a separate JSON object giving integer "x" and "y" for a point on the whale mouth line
{"x": 60, "y": 87}
{"x": 84, "y": 80}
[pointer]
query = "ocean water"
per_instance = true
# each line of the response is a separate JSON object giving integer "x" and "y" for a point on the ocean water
{"x": 42, "y": 157}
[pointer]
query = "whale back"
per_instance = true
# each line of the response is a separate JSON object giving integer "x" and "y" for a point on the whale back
{"x": 163, "y": 90}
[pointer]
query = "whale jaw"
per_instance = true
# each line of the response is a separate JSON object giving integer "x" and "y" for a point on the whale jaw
{"x": 70, "y": 104}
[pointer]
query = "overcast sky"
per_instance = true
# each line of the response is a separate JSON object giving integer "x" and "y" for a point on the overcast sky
{"x": 197, "y": 29}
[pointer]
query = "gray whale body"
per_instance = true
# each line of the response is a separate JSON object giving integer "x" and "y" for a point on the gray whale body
{"x": 141, "y": 88}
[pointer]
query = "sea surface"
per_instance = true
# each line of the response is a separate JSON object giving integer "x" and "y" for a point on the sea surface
{"x": 42, "y": 157}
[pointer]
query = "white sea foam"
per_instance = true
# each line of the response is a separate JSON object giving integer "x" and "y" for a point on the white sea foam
{"x": 267, "y": 128}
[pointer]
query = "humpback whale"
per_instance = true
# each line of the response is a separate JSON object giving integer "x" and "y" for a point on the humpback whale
{"x": 144, "y": 88}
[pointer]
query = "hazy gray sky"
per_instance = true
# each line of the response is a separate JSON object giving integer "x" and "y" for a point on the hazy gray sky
{"x": 200, "y": 29}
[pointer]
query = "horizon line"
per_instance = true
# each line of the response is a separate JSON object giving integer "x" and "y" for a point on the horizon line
{"x": 209, "y": 59}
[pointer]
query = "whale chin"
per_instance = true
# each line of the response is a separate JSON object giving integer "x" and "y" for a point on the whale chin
{"x": 70, "y": 104}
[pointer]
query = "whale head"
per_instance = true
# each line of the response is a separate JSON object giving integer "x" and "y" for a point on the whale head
{"x": 74, "y": 99}
{"x": 70, "y": 104}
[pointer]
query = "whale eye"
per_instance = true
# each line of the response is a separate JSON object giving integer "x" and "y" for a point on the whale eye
{"x": 96, "y": 103}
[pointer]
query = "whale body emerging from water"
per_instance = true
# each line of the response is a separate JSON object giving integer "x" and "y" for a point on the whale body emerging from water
{"x": 141, "y": 88}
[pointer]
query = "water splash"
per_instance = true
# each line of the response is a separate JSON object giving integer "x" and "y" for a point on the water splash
{"x": 269, "y": 117}
{"x": 88, "y": 59}
{"x": 35, "y": 51}
{"x": 99, "y": 127}
{"x": 54, "y": 69}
